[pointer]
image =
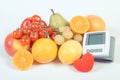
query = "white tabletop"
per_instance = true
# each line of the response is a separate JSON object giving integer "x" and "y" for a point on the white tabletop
{"x": 12, "y": 12}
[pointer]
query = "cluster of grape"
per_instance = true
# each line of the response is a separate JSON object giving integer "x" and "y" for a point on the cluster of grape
{"x": 65, "y": 33}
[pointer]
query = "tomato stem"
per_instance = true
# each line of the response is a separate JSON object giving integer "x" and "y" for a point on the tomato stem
{"x": 46, "y": 35}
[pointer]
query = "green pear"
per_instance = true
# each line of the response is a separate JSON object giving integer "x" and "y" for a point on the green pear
{"x": 56, "y": 20}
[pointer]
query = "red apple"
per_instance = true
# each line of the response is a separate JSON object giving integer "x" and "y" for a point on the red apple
{"x": 84, "y": 64}
{"x": 12, "y": 45}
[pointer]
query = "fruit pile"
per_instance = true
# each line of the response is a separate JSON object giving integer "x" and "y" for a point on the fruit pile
{"x": 32, "y": 29}
{"x": 65, "y": 33}
{"x": 36, "y": 41}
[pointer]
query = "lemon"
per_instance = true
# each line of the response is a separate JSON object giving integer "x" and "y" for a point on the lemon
{"x": 70, "y": 51}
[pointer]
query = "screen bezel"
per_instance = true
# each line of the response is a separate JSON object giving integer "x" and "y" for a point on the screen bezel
{"x": 88, "y": 42}
{"x": 105, "y": 46}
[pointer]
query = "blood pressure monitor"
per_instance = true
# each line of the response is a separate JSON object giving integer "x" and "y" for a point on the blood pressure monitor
{"x": 100, "y": 44}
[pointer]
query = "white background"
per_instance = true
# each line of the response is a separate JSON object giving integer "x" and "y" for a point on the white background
{"x": 12, "y": 12}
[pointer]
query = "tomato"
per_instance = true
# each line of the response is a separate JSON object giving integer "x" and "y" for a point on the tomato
{"x": 25, "y": 40}
{"x": 34, "y": 36}
{"x": 36, "y": 18}
{"x": 34, "y": 26}
{"x": 49, "y": 29}
{"x": 52, "y": 36}
{"x": 26, "y": 30}
{"x": 26, "y": 25}
{"x": 26, "y": 22}
{"x": 42, "y": 23}
{"x": 17, "y": 33}
{"x": 43, "y": 34}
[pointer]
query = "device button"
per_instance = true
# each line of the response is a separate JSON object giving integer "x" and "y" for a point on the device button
{"x": 100, "y": 50}
{"x": 95, "y": 50}
{"x": 90, "y": 50}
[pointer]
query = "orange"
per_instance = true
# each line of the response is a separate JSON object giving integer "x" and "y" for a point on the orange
{"x": 70, "y": 51}
{"x": 44, "y": 50}
{"x": 22, "y": 59}
{"x": 96, "y": 23}
{"x": 79, "y": 24}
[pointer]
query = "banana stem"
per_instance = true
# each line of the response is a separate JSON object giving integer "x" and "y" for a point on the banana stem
{"x": 52, "y": 11}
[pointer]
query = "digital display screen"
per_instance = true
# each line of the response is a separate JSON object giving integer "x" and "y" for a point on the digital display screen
{"x": 94, "y": 39}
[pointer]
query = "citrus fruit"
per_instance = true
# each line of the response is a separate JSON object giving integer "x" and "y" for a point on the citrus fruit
{"x": 70, "y": 51}
{"x": 44, "y": 50}
{"x": 79, "y": 24}
{"x": 96, "y": 23}
{"x": 22, "y": 59}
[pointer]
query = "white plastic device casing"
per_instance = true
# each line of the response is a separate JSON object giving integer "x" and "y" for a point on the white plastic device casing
{"x": 98, "y": 50}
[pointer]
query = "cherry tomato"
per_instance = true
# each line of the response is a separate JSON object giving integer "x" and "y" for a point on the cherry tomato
{"x": 26, "y": 22}
{"x": 49, "y": 29}
{"x": 42, "y": 23}
{"x": 17, "y": 33}
{"x": 43, "y": 34}
{"x": 34, "y": 27}
{"x": 34, "y": 36}
{"x": 25, "y": 40}
{"x": 36, "y": 18}
{"x": 26, "y": 30}
{"x": 26, "y": 25}
{"x": 52, "y": 36}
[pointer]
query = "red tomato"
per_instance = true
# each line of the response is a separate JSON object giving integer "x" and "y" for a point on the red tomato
{"x": 26, "y": 25}
{"x": 52, "y": 36}
{"x": 36, "y": 18}
{"x": 43, "y": 34}
{"x": 26, "y": 22}
{"x": 34, "y": 27}
{"x": 17, "y": 33}
{"x": 26, "y": 30}
{"x": 34, "y": 36}
{"x": 42, "y": 23}
{"x": 50, "y": 30}
{"x": 25, "y": 40}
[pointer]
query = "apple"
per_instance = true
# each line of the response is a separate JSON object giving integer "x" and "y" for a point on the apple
{"x": 11, "y": 45}
{"x": 84, "y": 64}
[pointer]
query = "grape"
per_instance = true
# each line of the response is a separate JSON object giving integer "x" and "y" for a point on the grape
{"x": 64, "y": 28}
{"x": 78, "y": 37}
{"x": 67, "y": 28}
{"x": 61, "y": 28}
{"x": 67, "y": 34}
{"x": 59, "y": 39}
